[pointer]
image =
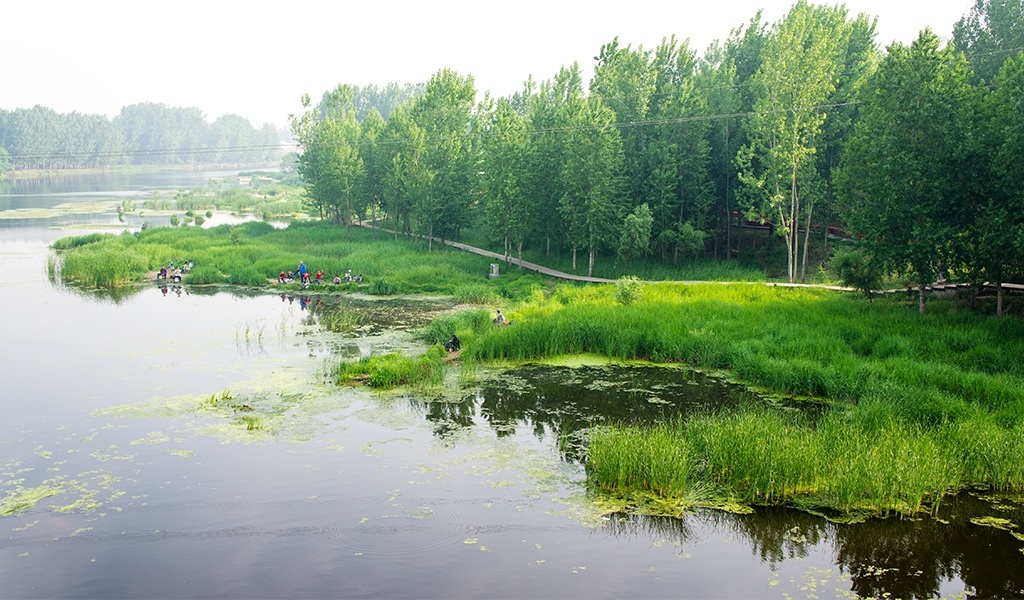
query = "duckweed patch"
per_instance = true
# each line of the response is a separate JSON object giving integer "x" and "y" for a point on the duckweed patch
{"x": 994, "y": 523}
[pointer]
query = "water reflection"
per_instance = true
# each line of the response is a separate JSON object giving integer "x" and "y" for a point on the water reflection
{"x": 897, "y": 558}
{"x": 559, "y": 402}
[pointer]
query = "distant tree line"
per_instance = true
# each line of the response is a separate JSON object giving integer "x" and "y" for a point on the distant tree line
{"x": 145, "y": 133}
{"x": 804, "y": 126}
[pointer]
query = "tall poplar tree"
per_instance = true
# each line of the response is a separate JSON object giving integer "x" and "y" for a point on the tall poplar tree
{"x": 797, "y": 76}
{"x": 443, "y": 113}
{"x": 591, "y": 175}
{"x": 904, "y": 184}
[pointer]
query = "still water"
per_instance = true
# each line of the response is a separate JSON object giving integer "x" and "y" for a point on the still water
{"x": 183, "y": 443}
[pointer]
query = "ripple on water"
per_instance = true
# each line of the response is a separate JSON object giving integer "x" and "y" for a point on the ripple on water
{"x": 398, "y": 535}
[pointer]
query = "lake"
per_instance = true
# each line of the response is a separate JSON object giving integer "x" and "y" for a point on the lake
{"x": 184, "y": 442}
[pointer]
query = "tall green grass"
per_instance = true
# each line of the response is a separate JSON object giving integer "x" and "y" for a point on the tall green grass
{"x": 394, "y": 370}
{"x": 866, "y": 465}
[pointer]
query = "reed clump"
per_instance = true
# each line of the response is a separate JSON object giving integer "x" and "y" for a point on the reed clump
{"x": 394, "y": 370}
{"x": 760, "y": 456}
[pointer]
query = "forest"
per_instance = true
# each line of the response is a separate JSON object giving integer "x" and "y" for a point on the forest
{"x": 895, "y": 161}
{"x": 141, "y": 134}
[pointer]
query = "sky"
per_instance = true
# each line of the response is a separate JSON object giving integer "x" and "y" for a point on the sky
{"x": 257, "y": 58}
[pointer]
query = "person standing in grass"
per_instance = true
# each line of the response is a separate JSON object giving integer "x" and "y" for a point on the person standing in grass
{"x": 302, "y": 271}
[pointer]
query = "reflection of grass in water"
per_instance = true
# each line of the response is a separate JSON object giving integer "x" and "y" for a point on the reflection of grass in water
{"x": 339, "y": 319}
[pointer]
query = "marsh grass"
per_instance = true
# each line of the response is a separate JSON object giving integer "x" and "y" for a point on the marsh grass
{"x": 759, "y": 456}
{"x": 394, "y": 370}
{"x": 921, "y": 405}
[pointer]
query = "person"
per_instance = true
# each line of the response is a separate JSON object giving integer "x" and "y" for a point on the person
{"x": 282, "y": 277}
{"x": 454, "y": 344}
{"x": 302, "y": 270}
{"x": 337, "y": 280}
{"x": 500, "y": 319}
{"x": 162, "y": 274}
{"x": 305, "y": 278}
{"x": 319, "y": 276}
{"x": 176, "y": 276}
{"x": 348, "y": 275}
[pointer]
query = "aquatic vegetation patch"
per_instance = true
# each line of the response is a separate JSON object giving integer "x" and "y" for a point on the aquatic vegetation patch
{"x": 994, "y": 523}
{"x": 87, "y": 493}
{"x": 840, "y": 468}
{"x": 290, "y": 413}
{"x": 393, "y": 370}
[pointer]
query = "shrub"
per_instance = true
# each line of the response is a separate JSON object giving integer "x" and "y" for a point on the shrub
{"x": 628, "y": 290}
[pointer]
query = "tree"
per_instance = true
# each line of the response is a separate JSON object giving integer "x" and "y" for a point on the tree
{"x": 797, "y": 76}
{"x": 991, "y": 33}
{"x": 904, "y": 180}
{"x": 679, "y": 185}
{"x": 541, "y": 181}
{"x": 443, "y": 113}
{"x": 860, "y": 56}
{"x": 400, "y": 157}
{"x": 372, "y": 126}
{"x": 635, "y": 240}
{"x": 625, "y": 81}
{"x": 505, "y": 207}
{"x": 996, "y": 235}
{"x": 591, "y": 177}
{"x": 330, "y": 163}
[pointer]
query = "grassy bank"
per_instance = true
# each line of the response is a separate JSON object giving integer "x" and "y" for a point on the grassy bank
{"x": 250, "y": 254}
{"x": 921, "y": 405}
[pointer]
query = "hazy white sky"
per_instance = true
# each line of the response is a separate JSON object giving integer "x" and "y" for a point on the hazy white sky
{"x": 257, "y": 58}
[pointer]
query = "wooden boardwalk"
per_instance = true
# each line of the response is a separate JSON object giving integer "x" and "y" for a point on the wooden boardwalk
{"x": 529, "y": 266}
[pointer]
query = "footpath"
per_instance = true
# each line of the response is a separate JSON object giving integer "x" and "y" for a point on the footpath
{"x": 937, "y": 287}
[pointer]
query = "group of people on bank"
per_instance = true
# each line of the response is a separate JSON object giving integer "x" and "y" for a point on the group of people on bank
{"x": 303, "y": 275}
{"x": 172, "y": 272}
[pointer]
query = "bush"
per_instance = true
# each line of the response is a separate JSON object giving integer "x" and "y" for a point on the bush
{"x": 857, "y": 269}
{"x": 628, "y": 290}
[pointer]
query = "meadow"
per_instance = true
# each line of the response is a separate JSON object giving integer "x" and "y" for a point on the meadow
{"x": 253, "y": 254}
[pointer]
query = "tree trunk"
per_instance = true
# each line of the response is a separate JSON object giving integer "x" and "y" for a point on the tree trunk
{"x": 807, "y": 240}
{"x": 574, "y": 259}
{"x": 999, "y": 299}
{"x": 520, "y": 255}
{"x": 593, "y": 255}
{"x": 921, "y": 297}
{"x": 430, "y": 238}
{"x": 728, "y": 213}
